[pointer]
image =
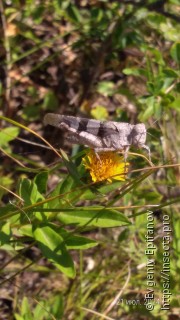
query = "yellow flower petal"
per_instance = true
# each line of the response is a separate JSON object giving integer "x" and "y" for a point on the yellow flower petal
{"x": 109, "y": 166}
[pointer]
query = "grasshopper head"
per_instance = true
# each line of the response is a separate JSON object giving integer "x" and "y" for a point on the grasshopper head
{"x": 139, "y": 135}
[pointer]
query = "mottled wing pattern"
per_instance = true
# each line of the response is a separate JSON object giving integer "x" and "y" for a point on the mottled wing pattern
{"x": 100, "y": 135}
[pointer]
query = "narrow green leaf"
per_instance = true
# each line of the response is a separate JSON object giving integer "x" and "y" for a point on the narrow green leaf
{"x": 57, "y": 306}
{"x": 170, "y": 73}
{"x": 25, "y": 309}
{"x": 104, "y": 218}
{"x": 175, "y": 52}
{"x": 41, "y": 181}
{"x": 25, "y": 190}
{"x": 74, "y": 13}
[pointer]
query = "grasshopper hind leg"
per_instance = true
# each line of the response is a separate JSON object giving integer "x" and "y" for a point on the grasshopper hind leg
{"x": 144, "y": 146}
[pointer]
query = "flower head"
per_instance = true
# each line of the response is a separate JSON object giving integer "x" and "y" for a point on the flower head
{"x": 105, "y": 166}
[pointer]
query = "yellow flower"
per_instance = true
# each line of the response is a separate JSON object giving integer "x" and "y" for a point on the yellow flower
{"x": 109, "y": 166}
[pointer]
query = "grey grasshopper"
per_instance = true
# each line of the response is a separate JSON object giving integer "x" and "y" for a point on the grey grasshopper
{"x": 100, "y": 135}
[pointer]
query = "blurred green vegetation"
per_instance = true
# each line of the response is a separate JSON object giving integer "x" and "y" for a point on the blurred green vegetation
{"x": 72, "y": 249}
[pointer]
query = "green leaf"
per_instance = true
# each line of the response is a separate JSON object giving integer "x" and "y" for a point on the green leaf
{"x": 53, "y": 248}
{"x": 123, "y": 235}
{"x": 61, "y": 189}
{"x": 175, "y": 52}
{"x": 99, "y": 113}
{"x": 5, "y": 181}
{"x": 7, "y": 135}
{"x": 57, "y": 306}
{"x": 148, "y": 113}
{"x": 62, "y": 185}
{"x": 61, "y": 4}
{"x": 25, "y": 309}
{"x": 50, "y": 101}
{"x": 5, "y": 233}
{"x": 135, "y": 71}
{"x": 155, "y": 87}
{"x": 41, "y": 309}
{"x": 26, "y": 230}
{"x": 71, "y": 168}
{"x": 107, "y": 188}
{"x": 25, "y": 190}
{"x": 46, "y": 235}
{"x": 74, "y": 13}
{"x": 170, "y": 73}
{"x": 106, "y": 88}
{"x": 37, "y": 13}
{"x": 174, "y": 1}
{"x": 31, "y": 112}
{"x": 41, "y": 181}
{"x": 93, "y": 217}
{"x": 29, "y": 192}
{"x": 18, "y": 317}
{"x": 170, "y": 32}
{"x": 9, "y": 208}
{"x": 150, "y": 101}
{"x": 175, "y": 104}
{"x": 76, "y": 242}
